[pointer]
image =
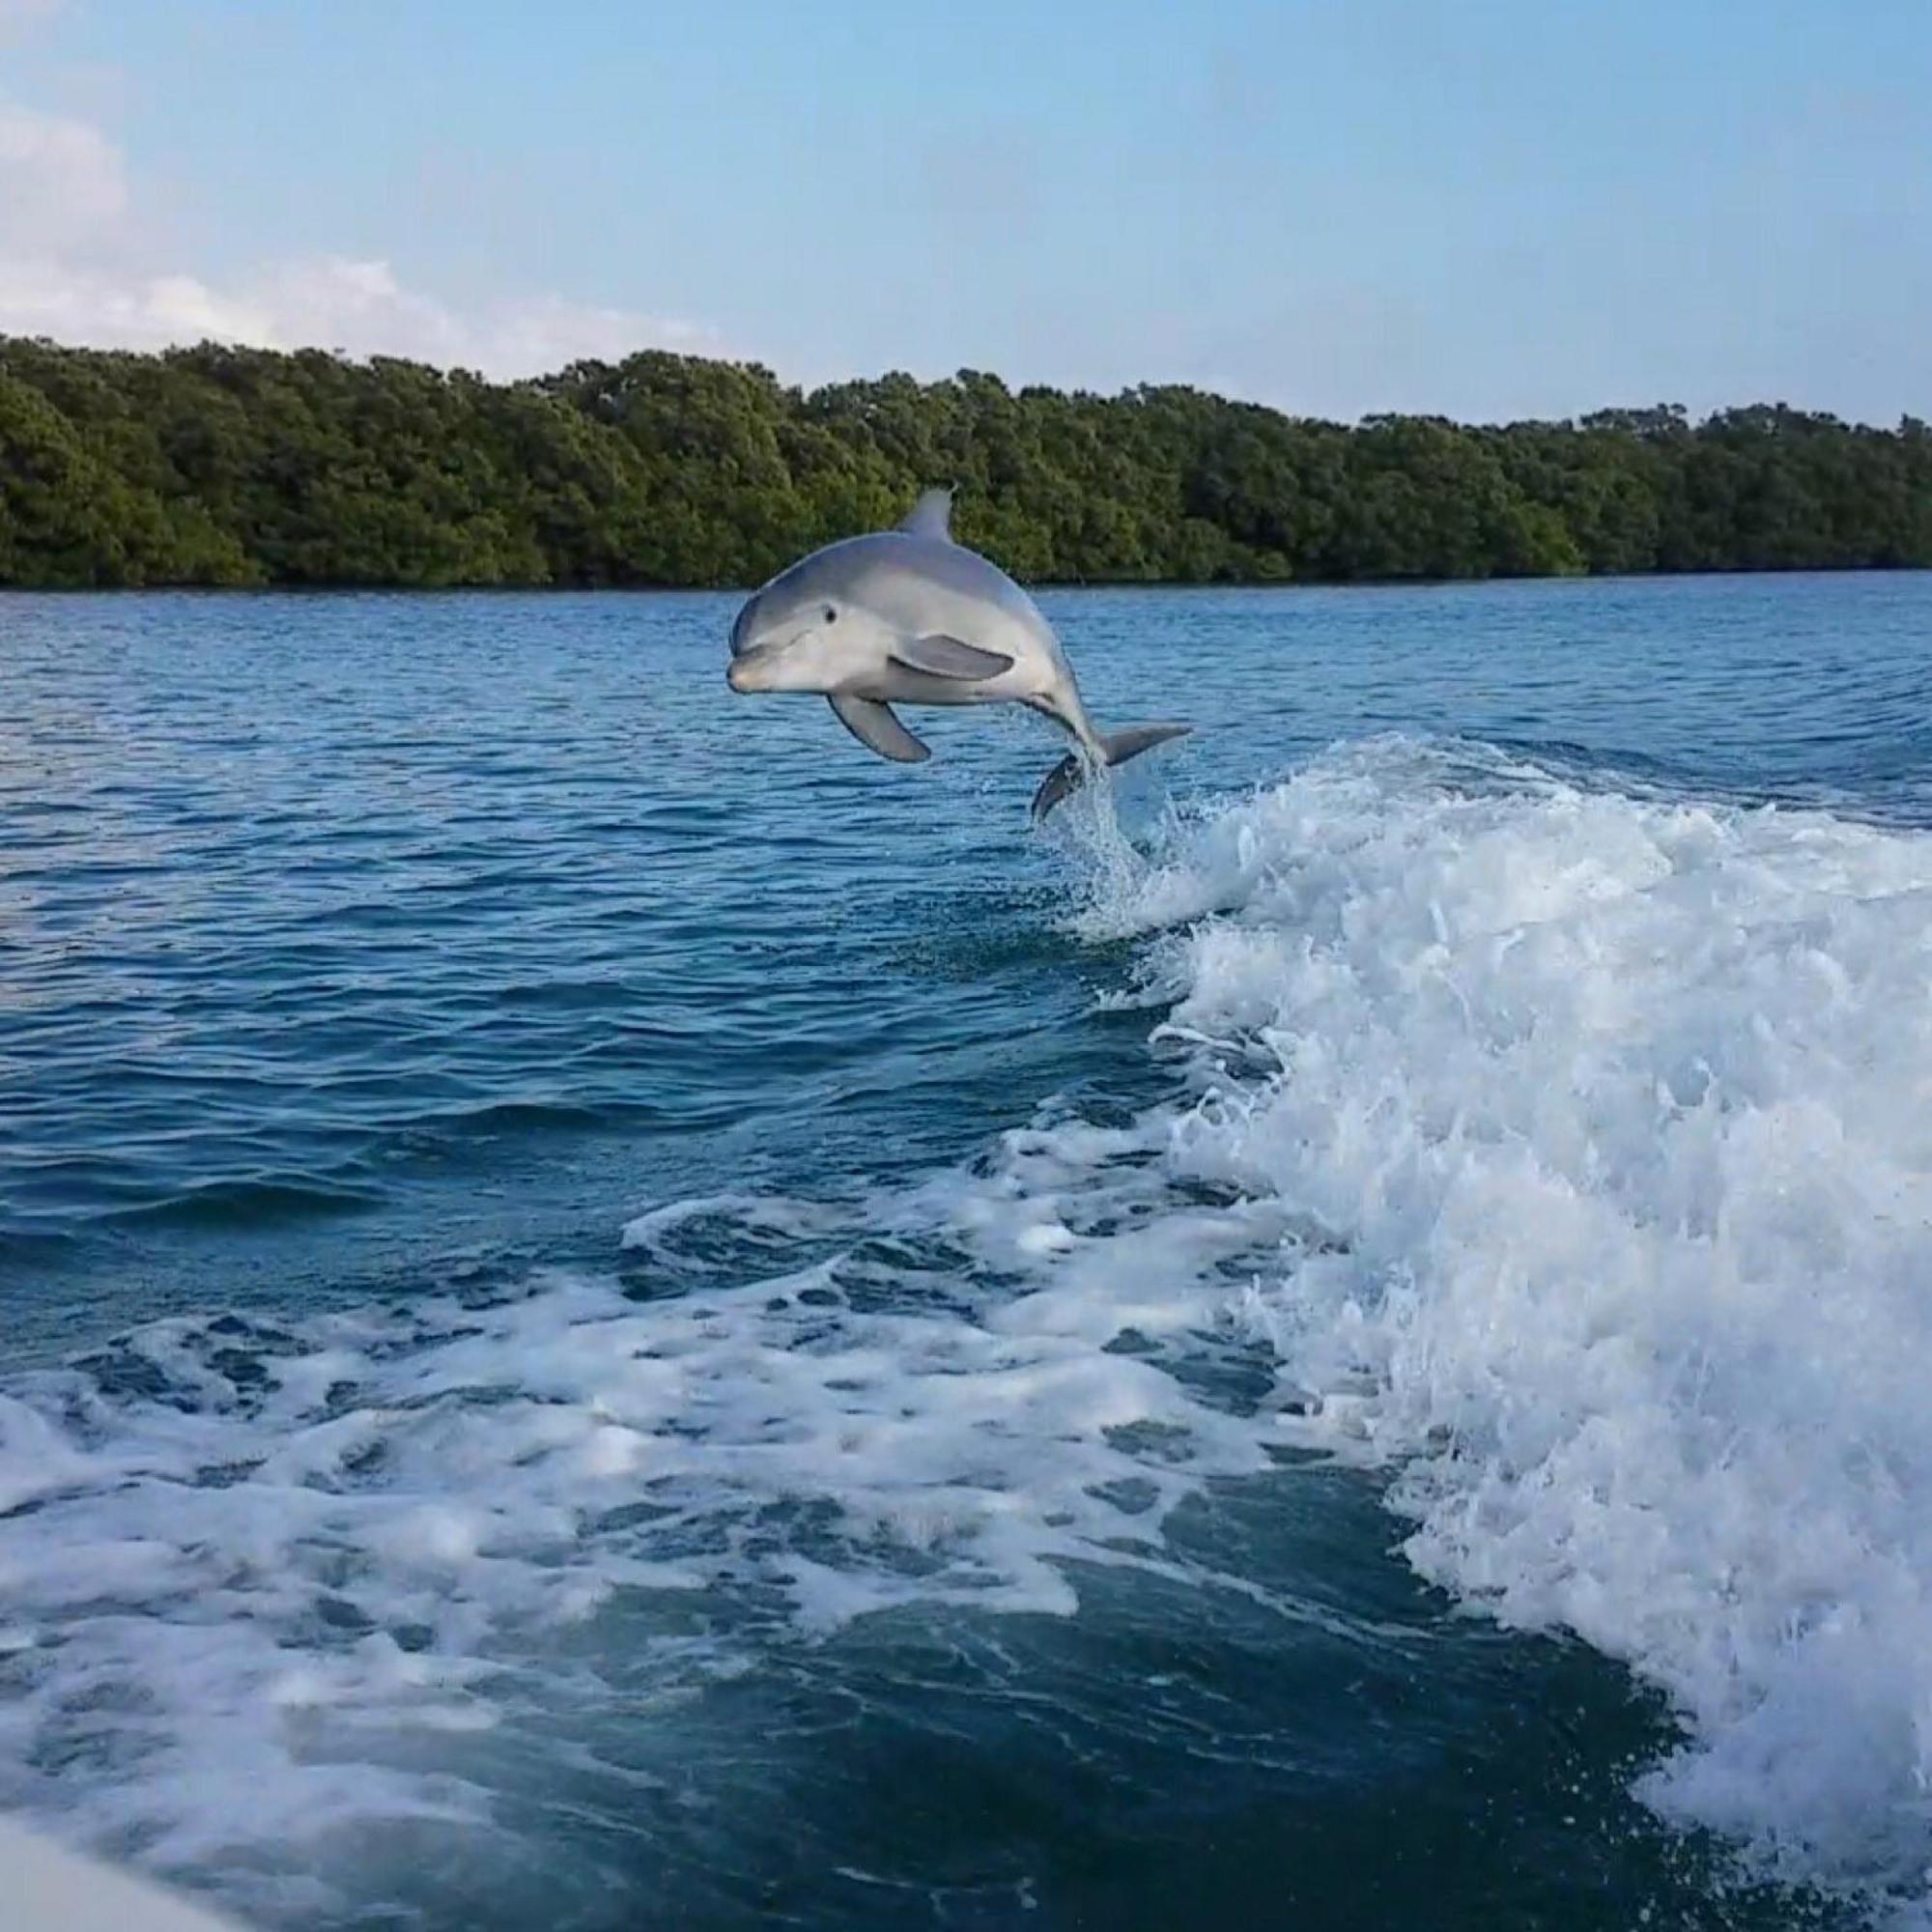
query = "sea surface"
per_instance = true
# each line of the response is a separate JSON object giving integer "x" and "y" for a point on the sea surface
{"x": 618, "y": 1315}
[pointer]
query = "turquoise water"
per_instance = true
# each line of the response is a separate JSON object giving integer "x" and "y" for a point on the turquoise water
{"x": 618, "y": 1315}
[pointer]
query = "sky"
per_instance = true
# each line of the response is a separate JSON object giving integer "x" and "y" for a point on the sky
{"x": 1485, "y": 209}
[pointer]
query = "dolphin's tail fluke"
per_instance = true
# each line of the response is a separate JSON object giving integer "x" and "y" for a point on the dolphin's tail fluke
{"x": 1072, "y": 771}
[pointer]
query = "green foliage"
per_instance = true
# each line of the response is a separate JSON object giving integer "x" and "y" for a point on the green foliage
{"x": 236, "y": 466}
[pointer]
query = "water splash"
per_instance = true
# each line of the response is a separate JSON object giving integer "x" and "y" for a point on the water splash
{"x": 1562, "y": 1154}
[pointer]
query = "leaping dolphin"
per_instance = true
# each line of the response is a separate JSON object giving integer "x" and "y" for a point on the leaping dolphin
{"x": 908, "y": 616}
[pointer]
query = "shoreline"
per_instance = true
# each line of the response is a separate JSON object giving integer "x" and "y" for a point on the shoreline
{"x": 349, "y": 588}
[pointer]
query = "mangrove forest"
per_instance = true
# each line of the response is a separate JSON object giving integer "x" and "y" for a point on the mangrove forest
{"x": 227, "y": 466}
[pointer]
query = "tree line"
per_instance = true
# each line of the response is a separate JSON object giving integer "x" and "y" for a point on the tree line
{"x": 228, "y": 466}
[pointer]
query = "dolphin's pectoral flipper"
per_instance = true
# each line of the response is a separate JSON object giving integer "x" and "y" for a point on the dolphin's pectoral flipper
{"x": 941, "y": 656}
{"x": 1073, "y": 770}
{"x": 879, "y": 730}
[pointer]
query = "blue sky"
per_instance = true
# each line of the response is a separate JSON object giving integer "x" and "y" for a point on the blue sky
{"x": 1487, "y": 209}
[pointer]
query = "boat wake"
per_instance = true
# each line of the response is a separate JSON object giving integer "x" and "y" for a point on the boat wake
{"x": 1563, "y": 1154}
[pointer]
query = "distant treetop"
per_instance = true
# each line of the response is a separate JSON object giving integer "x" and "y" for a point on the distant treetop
{"x": 222, "y": 466}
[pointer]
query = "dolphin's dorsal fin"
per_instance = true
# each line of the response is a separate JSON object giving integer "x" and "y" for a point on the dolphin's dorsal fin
{"x": 931, "y": 516}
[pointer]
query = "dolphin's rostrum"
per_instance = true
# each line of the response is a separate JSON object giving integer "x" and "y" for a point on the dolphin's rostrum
{"x": 908, "y": 616}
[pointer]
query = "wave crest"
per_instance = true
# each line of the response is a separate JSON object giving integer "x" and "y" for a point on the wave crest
{"x": 1620, "y": 1112}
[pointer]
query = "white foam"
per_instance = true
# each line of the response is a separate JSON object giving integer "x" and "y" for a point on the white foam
{"x": 241, "y": 1616}
{"x": 1620, "y": 1117}
{"x": 1570, "y": 1154}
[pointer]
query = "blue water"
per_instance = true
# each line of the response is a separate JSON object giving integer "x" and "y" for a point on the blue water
{"x": 617, "y": 1315}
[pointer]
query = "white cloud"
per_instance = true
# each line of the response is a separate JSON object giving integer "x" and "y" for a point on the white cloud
{"x": 61, "y": 182}
{"x": 18, "y": 14}
{"x": 71, "y": 266}
{"x": 362, "y": 308}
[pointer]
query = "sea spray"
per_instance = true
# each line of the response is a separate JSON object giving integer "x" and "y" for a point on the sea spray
{"x": 1618, "y": 1115}
{"x": 1564, "y": 1154}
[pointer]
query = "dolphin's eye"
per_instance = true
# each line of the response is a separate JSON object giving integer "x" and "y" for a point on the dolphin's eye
{"x": 831, "y": 616}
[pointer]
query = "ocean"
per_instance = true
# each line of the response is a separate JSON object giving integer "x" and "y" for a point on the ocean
{"x": 620, "y": 1315}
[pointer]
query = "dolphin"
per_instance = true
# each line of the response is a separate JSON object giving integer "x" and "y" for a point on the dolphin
{"x": 908, "y": 616}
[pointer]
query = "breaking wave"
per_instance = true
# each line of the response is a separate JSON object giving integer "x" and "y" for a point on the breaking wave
{"x": 1562, "y": 1153}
